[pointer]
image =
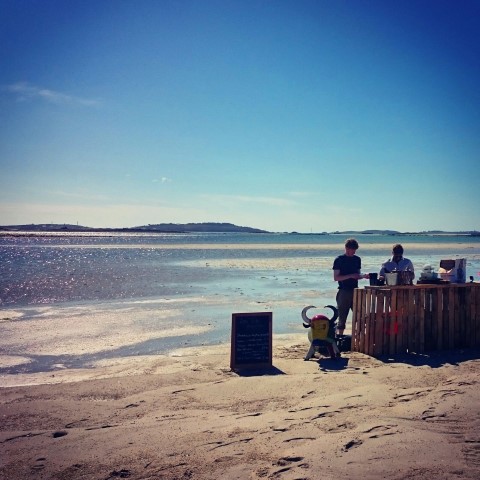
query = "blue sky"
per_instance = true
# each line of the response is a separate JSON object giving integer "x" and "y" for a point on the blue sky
{"x": 283, "y": 115}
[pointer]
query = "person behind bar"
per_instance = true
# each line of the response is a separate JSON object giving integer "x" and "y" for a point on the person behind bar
{"x": 398, "y": 263}
{"x": 346, "y": 271}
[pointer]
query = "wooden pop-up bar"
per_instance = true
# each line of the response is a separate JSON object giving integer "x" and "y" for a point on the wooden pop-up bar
{"x": 390, "y": 320}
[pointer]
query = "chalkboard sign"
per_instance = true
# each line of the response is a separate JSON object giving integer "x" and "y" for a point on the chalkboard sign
{"x": 251, "y": 340}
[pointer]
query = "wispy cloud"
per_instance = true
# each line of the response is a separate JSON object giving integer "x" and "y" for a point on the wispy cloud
{"x": 25, "y": 91}
{"x": 162, "y": 180}
{"x": 272, "y": 201}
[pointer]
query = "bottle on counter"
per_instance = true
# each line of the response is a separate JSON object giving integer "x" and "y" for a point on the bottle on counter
{"x": 460, "y": 274}
{"x": 409, "y": 277}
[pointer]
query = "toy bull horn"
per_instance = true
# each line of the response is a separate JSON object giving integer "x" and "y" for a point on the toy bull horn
{"x": 306, "y": 320}
{"x": 334, "y": 310}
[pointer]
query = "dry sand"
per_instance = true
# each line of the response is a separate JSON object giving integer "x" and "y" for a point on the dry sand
{"x": 188, "y": 416}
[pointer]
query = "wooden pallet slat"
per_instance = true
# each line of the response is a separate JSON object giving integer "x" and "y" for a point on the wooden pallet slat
{"x": 439, "y": 317}
{"x": 363, "y": 318}
{"x": 402, "y": 340}
{"x": 451, "y": 318}
{"x": 378, "y": 341}
{"x": 395, "y": 325}
{"x": 476, "y": 315}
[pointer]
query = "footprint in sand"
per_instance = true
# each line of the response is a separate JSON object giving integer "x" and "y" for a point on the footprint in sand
{"x": 471, "y": 450}
{"x": 381, "y": 431}
{"x": 430, "y": 415}
{"x": 311, "y": 392}
{"x": 341, "y": 427}
{"x": 374, "y": 432}
{"x": 352, "y": 444}
{"x": 409, "y": 396}
{"x": 330, "y": 413}
{"x": 40, "y": 465}
{"x": 285, "y": 463}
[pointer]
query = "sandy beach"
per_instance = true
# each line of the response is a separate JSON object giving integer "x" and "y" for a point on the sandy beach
{"x": 187, "y": 415}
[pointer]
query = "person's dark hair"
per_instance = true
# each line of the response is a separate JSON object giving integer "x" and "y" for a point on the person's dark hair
{"x": 351, "y": 243}
{"x": 398, "y": 249}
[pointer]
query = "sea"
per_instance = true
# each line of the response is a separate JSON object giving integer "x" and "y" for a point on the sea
{"x": 158, "y": 292}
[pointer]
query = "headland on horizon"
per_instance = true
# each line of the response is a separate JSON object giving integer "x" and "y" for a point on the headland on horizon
{"x": 209, "y": 227}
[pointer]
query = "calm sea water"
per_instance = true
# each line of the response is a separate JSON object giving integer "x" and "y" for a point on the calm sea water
{"x": 63, "y": 268}
{"x": 194, "y": 279}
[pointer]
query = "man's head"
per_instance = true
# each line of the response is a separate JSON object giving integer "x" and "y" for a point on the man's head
{"x": 397, "y": 252}
{"x": 351, "y": 246}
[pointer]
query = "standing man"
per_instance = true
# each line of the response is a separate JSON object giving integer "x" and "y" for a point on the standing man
{"x": 346, "y": 271}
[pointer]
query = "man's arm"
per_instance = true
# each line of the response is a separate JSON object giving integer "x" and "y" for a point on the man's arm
{"x": 412, "y": 270}
{"x": 355, "y": 276}
{"x": 382, "y": 270}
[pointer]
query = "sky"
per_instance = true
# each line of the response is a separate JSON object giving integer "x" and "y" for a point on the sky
{"x": 284, "y": 115}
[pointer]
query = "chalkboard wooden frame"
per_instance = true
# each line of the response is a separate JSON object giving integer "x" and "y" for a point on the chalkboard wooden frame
{"x": 251, "y": 342}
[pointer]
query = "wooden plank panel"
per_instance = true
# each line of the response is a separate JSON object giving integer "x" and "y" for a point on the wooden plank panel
{"x": 469, "y": 332}
{"x": 432, "y": 320}
{"x": 363, "y": 318}
{"x": 363, "y": 321}
{"x": 357, "y": 301}
{"x": 402, "y": 303}
{"x": 431, "y": 336}
{"x": 420, "y": 319}
{"x": 403, "y": 326}
{"x": 394, "y": 336}
{"x": 477, "y": 315}
{"x": 451, "y": 317}
{"x": 457, "y": 316}
{"x": 402, "y": 308}
{"x": 379, "y": 325}
{"x": 409, "y": 312}
{"x": 369, "y": 322}
{"x": 414, "y": 301}
{"x": 370, "y": 335}
{"x": 439, "y": 317}
{"x": 446, "y": 319}
{"x": 428, "y": 337}
{"x": 388, "y": 322}
{"x": 462, "y": 316}
{"x": 411, "y": 320}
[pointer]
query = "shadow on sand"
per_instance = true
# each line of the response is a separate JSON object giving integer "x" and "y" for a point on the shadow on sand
{"x": 258, "y": 372}
{"x": 434, "y": 359}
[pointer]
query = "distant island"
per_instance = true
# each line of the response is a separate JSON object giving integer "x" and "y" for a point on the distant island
{"x": 208, "y": 227}
{"x": 473, "y": 233}
{"x": 156, "y": 228}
